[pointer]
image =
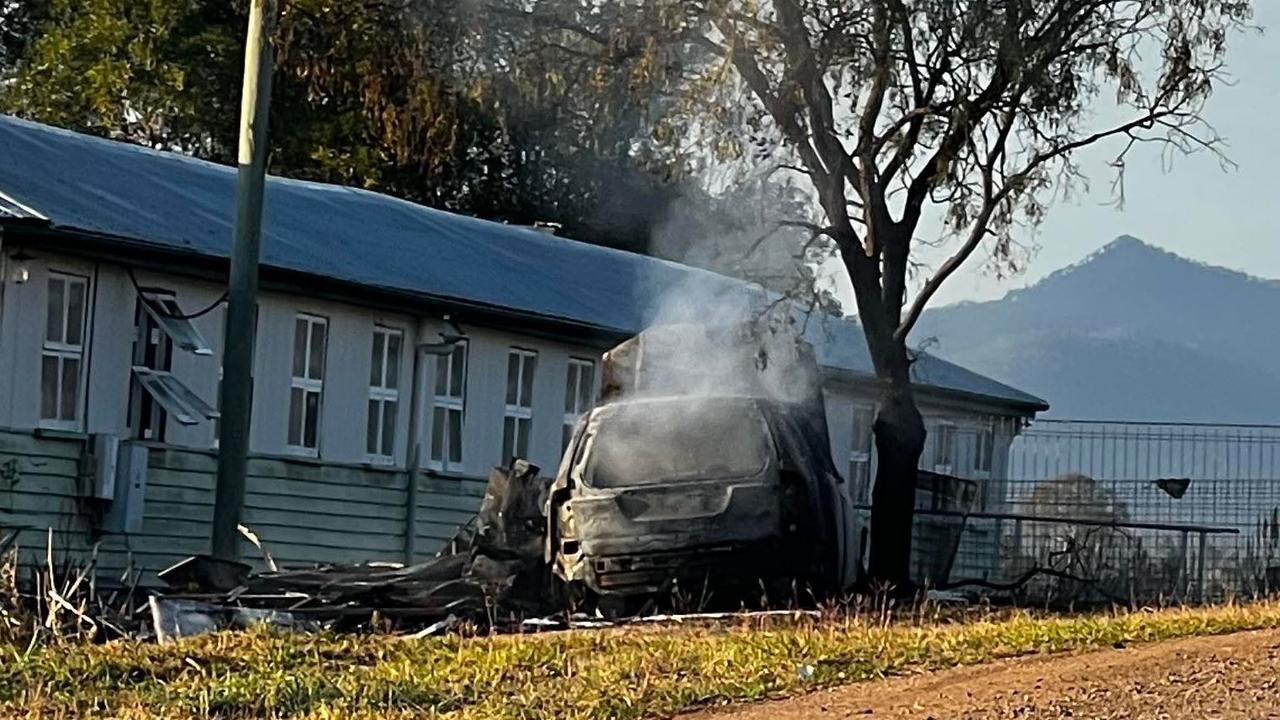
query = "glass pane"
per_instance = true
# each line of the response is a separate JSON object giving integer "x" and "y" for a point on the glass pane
{"x": 53, "y": 322}
{"x": 442, "y": 376}
{"x": 48, "y": 387}
{"x": 311, "y": 420}
{"x": 70, "y": 395}
{"x": 566, "y": 434}
{"x": 295, "y": 416}
{"x": 986, "y": 450}
{"x": 437, "y": 434}
{"x": 371, "y": 428}
{"x": 859, "y": 481}
{"x": 455, "y": 436}
{"x": 299, "y": 347}
{"x": 375, "y": 360}
{"x": 571, "y": 388}
{"x": 388, "y": 427}
{"x": 526, "y": 380}
{"x": 513, "y": 377}
{"x": 522, "y": 437}
{"x": 315, "y": 359}
{"x": 75, "y": 313}
{"x": 586, "y": 388}
{"x": 508, "y": 438}
{"x": 393, "y": 361}
{"x": 862, "y": 421}
{"x": 458, "y": 370}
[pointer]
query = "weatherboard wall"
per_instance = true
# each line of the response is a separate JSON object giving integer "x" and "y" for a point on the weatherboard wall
{"x": 303, "y": 513}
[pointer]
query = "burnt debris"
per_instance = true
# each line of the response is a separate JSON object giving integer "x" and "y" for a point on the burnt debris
{"x": 490, "y": 573}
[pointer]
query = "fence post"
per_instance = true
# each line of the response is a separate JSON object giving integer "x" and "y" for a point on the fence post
{"x": 1180, "y": 582}
{"x": 1200, "y": 568}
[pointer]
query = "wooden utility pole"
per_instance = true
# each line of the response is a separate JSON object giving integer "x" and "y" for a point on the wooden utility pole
{"x": 238, "y": 341}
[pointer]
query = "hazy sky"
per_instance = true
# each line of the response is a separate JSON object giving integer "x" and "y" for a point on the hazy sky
{"x": 1229, "y": 218}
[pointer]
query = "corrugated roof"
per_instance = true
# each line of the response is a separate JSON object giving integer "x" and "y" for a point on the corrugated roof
{"x": 174, "y": 202}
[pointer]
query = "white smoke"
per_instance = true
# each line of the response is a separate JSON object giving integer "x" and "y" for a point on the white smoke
{"x": 709, "y": 335}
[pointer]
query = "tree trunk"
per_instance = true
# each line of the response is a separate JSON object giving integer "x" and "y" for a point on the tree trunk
{"x": 899, "y": 436}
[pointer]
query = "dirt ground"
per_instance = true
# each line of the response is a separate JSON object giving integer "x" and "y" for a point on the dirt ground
{"x": 1218, "y": 678}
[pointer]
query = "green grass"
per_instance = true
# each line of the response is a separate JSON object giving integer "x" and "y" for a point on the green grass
{"x": 601, "y": 674}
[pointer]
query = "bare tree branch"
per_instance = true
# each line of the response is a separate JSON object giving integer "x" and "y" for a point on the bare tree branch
{"x": 980, "y": 225}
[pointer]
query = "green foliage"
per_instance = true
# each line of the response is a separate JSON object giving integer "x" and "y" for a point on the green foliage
{"x": 439, "y": 101}
{"x": 142, "y": 71}
{"x": 654, "y": 672}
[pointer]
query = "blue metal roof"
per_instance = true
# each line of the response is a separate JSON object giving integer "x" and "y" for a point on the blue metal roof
{"x": 174, "y": 202}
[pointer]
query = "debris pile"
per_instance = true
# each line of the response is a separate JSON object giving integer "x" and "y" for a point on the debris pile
{"x": 491, "y": 573}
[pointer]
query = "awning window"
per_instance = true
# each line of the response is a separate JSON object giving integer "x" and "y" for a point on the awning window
{"x": 163, "y": 308}
{"x": 182, "y": 405}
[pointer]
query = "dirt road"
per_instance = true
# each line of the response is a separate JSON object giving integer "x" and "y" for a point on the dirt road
{"x": 1219, "y": 678}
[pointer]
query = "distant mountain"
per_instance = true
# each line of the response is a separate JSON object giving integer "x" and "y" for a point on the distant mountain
{"x": 1130, "y": 333}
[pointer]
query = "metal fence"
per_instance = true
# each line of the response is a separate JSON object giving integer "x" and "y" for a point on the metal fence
{"x": 1091, "y": 512}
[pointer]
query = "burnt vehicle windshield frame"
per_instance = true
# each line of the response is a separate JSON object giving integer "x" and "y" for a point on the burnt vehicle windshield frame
{"x": 770, "y": 450}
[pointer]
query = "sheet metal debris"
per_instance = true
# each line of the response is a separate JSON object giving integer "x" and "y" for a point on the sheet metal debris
{"x": 491, "y": 573}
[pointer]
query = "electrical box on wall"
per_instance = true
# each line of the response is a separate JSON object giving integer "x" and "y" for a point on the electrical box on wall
{"x": 106, "y": 454}
{"x": 124, "y": 515}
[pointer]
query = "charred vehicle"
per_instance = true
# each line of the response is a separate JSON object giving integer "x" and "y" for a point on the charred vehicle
{"x": 672, "y": 486}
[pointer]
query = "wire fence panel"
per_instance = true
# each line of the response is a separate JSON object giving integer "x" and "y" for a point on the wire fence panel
{"x": 1094, "y": 512}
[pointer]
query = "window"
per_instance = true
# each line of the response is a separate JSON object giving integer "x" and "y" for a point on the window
{"x": 860, "y": 455}
{"x": 384, "y": 393}
{"x": 61, "y": 353}
{"x": 984, "y": 451}
{"x": 217, "y": 399}
{"x": 579, "y": 391}
{"x": 449, "y": 402}
{"x": 171, "y": 397}
{"x": 167, "y": 317}
{"x": 152, "y": 351}
{"x": 944, "y": 449}
{"x": 155, "y": 395}
{"x": 518, "y": 417}
{"x": 307, "y": 388}
{"x": 630, "y": 449}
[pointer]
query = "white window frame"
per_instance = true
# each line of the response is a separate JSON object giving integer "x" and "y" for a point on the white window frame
{"x": 863, "y": 419}
{"x": 162, "y": 306}
{"x": 388, "y": 391}
{"x": 63, "y": 351}
{"x": 171, "y": 396}
{"x": 984, "y": 450}
{"x": 519, "y": 413}
{"x": 574, "y": 406}
{"x": 945, "y": 430}
{"x": 146, "y": 395}
{"x": 307, "y": 384}
{"x": 438, "y": 458}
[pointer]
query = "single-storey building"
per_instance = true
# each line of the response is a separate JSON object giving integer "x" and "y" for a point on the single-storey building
{"x": 113, "y": 261}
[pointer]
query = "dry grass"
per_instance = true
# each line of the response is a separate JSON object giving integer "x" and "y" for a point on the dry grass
{"x": 61, "y": 603}
{"x": 601, "y": 674}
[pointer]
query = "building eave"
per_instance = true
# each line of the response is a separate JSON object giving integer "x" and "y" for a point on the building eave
{"x": 213, "y": 268}
{"x": 1021, "y": 408}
